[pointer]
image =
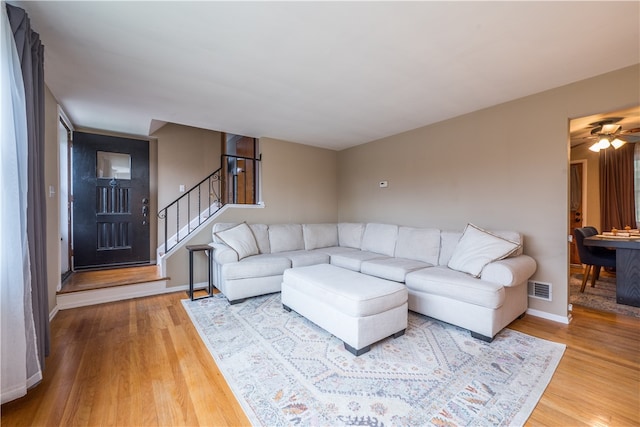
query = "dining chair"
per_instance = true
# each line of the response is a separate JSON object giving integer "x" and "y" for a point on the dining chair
{"x": 592, "y": 257}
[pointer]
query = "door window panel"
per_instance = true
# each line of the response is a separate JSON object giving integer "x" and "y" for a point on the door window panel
{"x": 113, "y": 165}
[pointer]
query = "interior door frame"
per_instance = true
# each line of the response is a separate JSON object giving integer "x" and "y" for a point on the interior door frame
{"x": 584, "y": 163}
{"x": 65, "y": 187}
{"x": 136, "y": 249}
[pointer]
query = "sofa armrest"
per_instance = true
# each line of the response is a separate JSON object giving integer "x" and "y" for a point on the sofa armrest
{"x": 223, "y": 254}
{"x": 510, "y": 271}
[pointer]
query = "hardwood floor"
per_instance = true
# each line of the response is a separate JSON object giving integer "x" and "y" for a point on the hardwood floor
{"x": 598, "y": 380}
{"x": 97, "y": 279}
{"x": 141, "y": 363}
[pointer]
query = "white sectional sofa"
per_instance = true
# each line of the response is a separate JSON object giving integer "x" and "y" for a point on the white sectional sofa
{"x": 474, "y": 279}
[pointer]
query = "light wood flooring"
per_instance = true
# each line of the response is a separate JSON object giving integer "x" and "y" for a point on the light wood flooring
{"x": 141, "y": 363}
{"x": 98, "y": 279}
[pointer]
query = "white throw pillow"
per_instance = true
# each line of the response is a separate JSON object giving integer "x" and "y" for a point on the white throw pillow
{"x": 241, "y": 239}
{"x": 478, "y": 248}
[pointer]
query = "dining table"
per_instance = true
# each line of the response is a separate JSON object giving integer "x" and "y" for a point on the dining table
{"x": 627, "y": 264}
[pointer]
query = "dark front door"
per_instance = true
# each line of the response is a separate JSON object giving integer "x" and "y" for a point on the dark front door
{"x": 110, "y": 201}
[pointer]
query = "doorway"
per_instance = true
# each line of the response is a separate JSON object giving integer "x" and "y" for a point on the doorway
{"x": 577, "y": 204}
{"x": 239, "y": 169}
{"x": 110, "y": 201}
{"x": 64, "y": 185}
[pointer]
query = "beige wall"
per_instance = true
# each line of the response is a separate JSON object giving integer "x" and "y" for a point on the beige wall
{"x": 591, "y": 215}
{"x": 51, "y": 178}
{"x": 186, "y": 155}
{"x": 504, "y": 167}
{"x": 299, "y": 185}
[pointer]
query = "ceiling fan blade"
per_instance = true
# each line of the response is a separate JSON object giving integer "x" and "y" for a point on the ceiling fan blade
{"x": 629, "y": 138}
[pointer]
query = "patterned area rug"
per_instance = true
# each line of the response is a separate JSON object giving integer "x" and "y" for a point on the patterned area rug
{"x": 601, "y": 297}
{"x": 285, "y": 370}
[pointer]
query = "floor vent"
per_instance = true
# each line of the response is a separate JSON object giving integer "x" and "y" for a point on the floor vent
{"x": 539, "y": 290}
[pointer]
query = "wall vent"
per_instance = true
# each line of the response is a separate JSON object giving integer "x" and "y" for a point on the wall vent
{"x": 539, "y": 290}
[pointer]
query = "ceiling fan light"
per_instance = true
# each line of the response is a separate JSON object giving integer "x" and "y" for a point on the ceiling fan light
{"x": 617, "y": 143}
{"x": 604, "y": 144}
{"x": 595, "y": 147}
{"x": 610, "y": 128}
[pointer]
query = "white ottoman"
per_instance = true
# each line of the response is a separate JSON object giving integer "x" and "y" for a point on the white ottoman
{"x": 358, "y": 309}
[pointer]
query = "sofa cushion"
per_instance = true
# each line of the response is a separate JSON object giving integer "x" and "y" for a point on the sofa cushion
{"x": 448, "y": 242}
{"x": 380, "y": 238}
{"x": 420, "y": 244}
{"x": 392, "y": 268}
{"x": 285, "y": 237}
{"x": 476, "y": 248}
{"x": 334, "y": 250}
{"x": 256, "y": 266}
{"x": 319, "y": 235}
{"x": 456, "y": 285}
{"x": 350, "y": 234}
{"x": 352, "y": 260}
{"x": 261, "y": 233}
{"x": 304, "y": 258}
{"x": 241, "y": 239}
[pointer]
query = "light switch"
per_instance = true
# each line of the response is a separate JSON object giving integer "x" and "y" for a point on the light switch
{"x": 182, "y": 188}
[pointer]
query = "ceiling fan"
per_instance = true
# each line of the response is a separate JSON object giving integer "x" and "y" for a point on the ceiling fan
{"x": 608, "y": 133}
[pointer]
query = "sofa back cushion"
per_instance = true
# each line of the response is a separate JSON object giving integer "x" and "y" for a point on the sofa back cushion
{"x": 448, "y": 242}
{"x": 261, "y": 232}
{"x": 350, "y": 234}
{"x": 380, "y": 238}
{"x": 420, "y": 244}
{"x": 320, "y": 235}
{"x": 285, "y": 237}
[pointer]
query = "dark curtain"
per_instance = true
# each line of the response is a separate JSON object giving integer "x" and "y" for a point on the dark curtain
{"x": 617, "y": 198}
{"x": 31, "y": 53}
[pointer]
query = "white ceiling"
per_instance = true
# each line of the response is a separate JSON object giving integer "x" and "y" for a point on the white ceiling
{"x": 329, "y": 74}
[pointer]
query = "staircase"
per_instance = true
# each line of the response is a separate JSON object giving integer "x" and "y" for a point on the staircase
{"x": 233, "y": 183}
{"x": 191, "y": 210}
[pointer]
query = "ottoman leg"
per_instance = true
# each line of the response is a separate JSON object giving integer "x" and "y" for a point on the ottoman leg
{"x": 358, "y": 352}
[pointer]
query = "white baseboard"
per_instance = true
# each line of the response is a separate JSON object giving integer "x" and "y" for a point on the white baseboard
{"x": 118, "y": 293}
{"x": 53, "y": 312}
{"x": 548, "y": 316}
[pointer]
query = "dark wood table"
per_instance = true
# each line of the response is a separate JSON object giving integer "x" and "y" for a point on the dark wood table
{"x": 627, "y": 266}
{"x": 208, "y": 250}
